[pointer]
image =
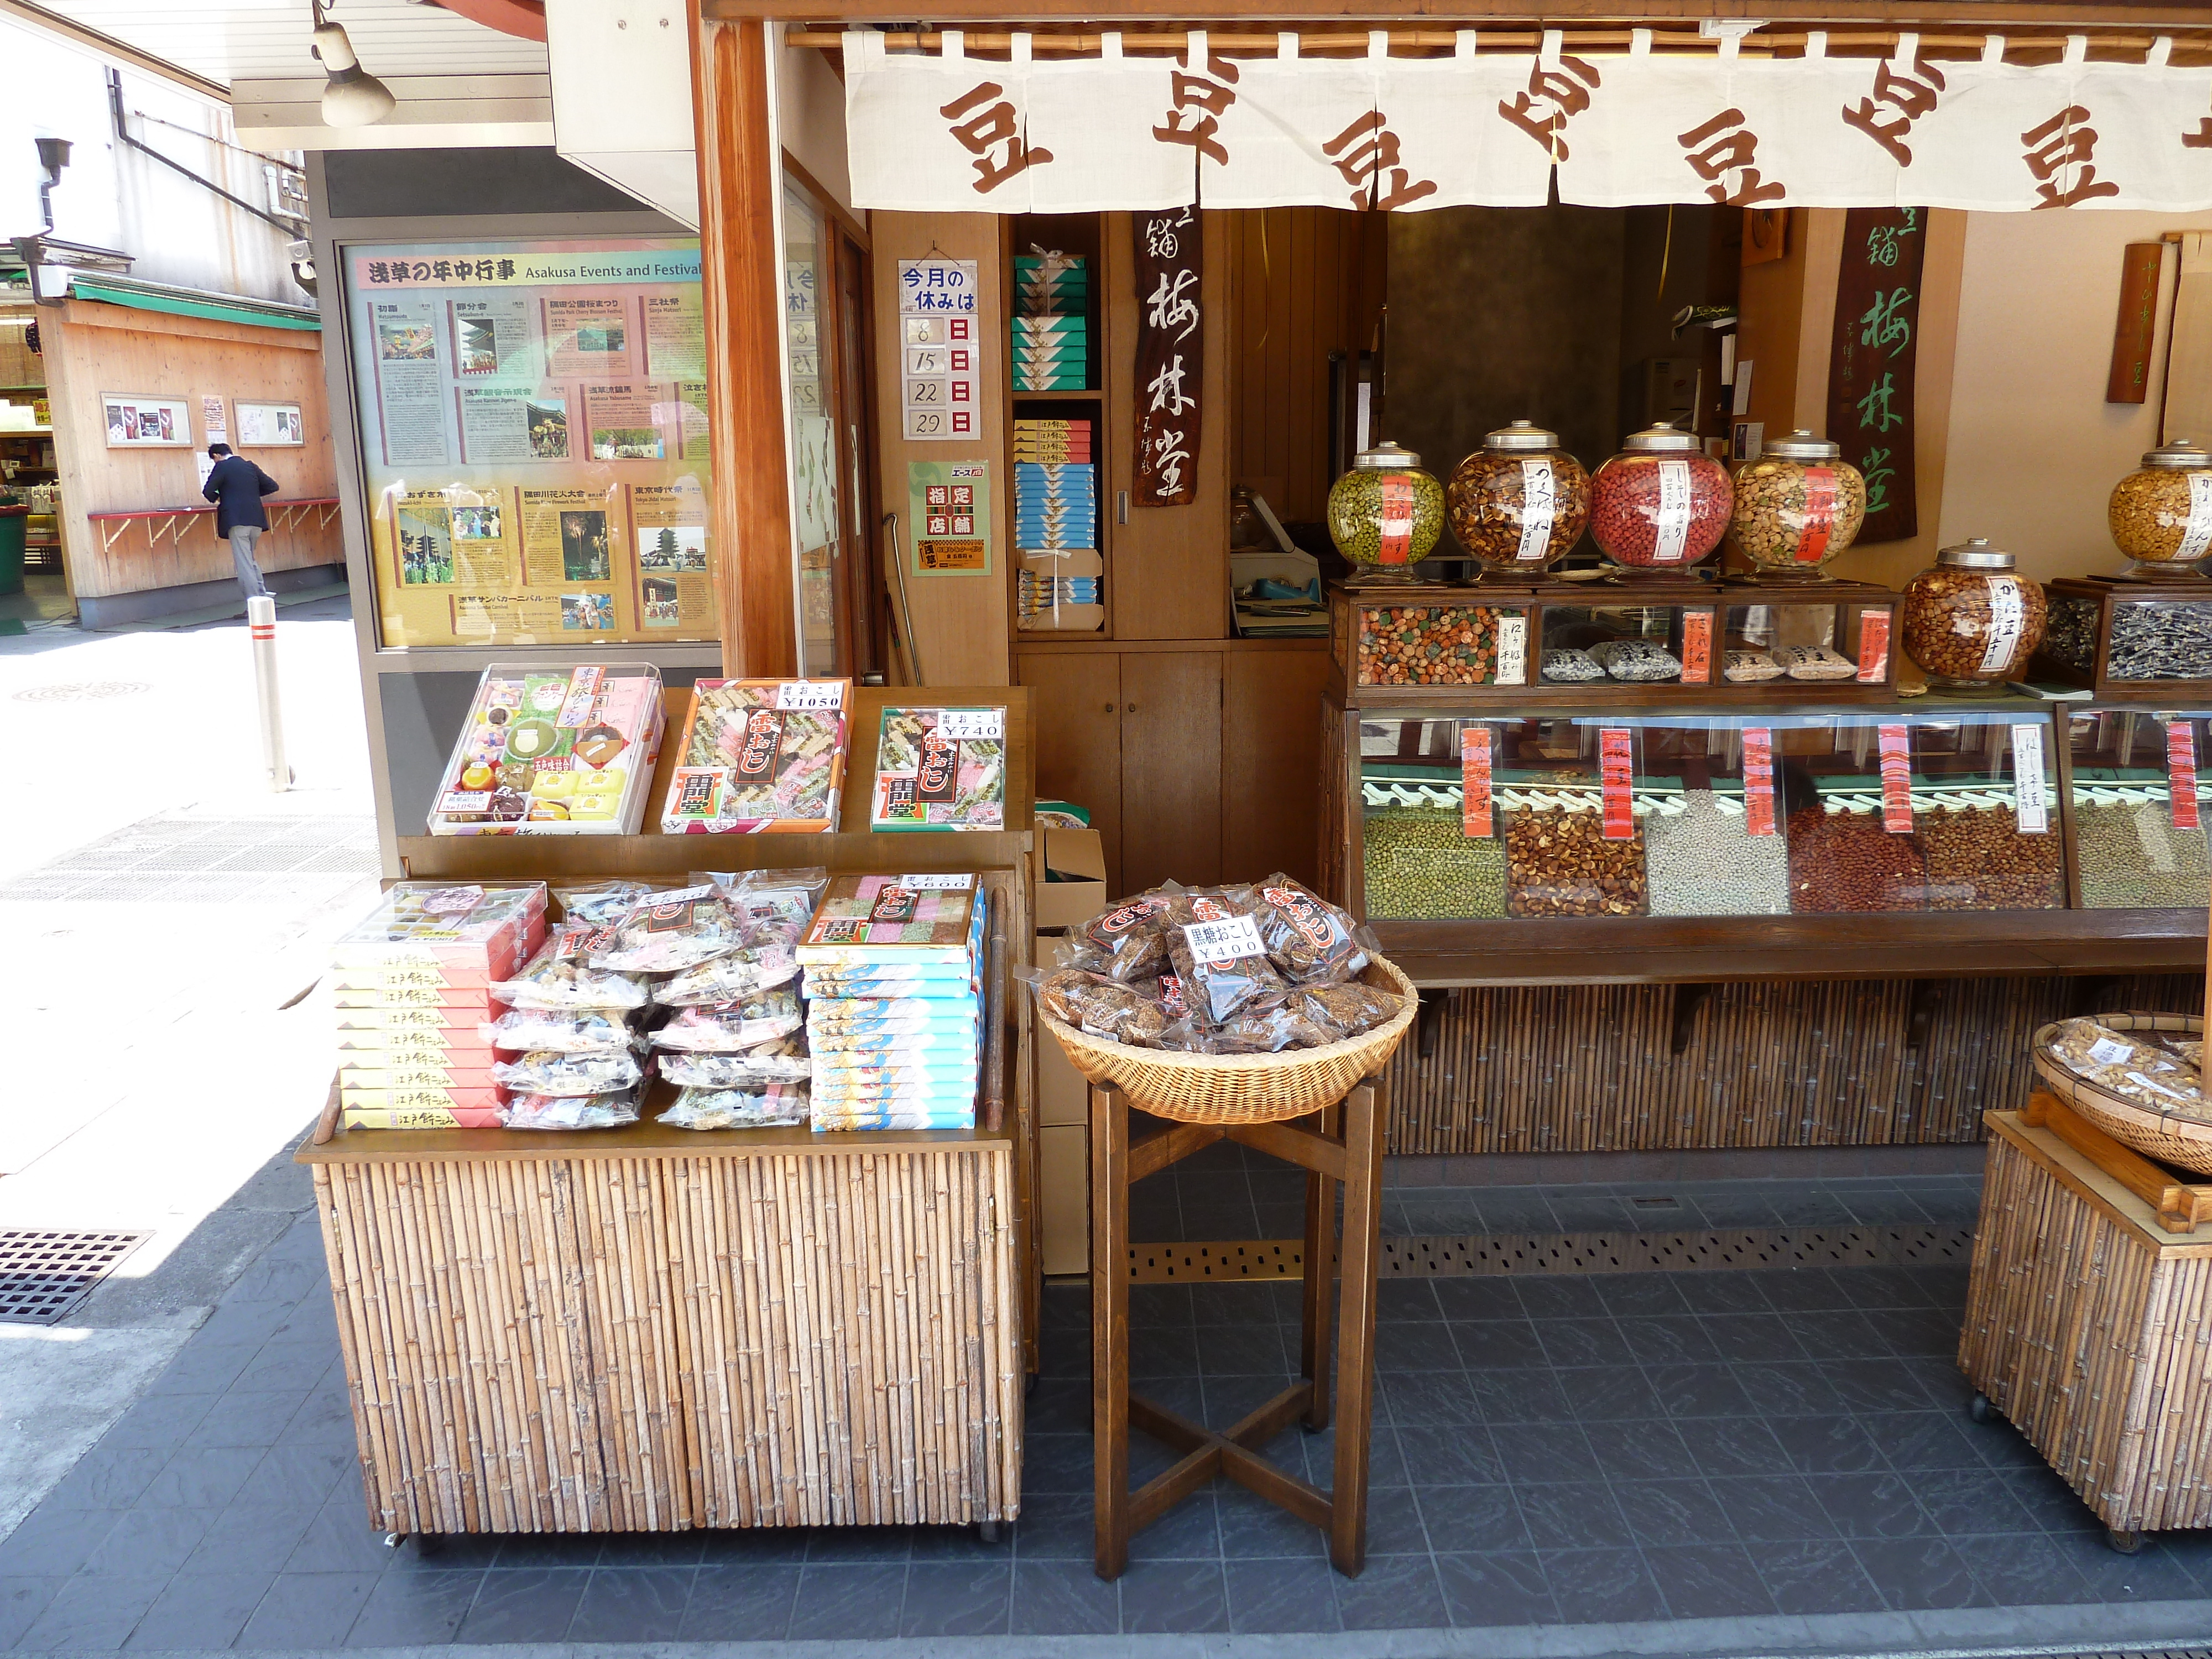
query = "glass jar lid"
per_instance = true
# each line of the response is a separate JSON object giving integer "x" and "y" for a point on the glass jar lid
{"x": 2179, "y": 453}
{"x": 1385, "y": 457}
{"x": 1521, "y": 435}
{"x": 1801, "y": 445}
{"x": 1662, "y": 436}
{"x": 1975, "y": 553}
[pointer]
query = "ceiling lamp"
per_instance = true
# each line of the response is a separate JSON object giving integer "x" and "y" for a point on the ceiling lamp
{"x": 353, "y": 97}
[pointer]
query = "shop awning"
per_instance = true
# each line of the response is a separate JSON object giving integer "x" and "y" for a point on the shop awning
{"x": 190, "y": 302}
{"x": 1741, "y": 123}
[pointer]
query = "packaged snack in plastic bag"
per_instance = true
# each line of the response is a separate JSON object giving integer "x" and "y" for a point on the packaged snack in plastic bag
{"x": 764, "y": 895}
{"x": 1814, "y": 662}
{"x": 762, "y": 963}
{"x": 1219, "y": 956}
{"x": 1098, "y": 1005}
{"x": 778, "y": 1106}
{"x": 545, "y": 1072}
{"x": 2130, "y": 1064}
{"x": 1637, "y": 659}
{"x": 747, "y": 1068}
{"x": 1570, "y": 665}
{"x": 559, "y": 977}
{"x": 1309, "y": 939}
{"x": 726, "y": 1027}
{"x": 600, "y": 903}
{"x": 1132, "y": 937}
{"x": 559, "y": 1031}
{"x": 607, "y": 1111}
{"x": 1743, "y": 665}
{"x": 671, "y": 932}
{"x": 1349, "y": 1009}
{"x": 1257, "y": 1030}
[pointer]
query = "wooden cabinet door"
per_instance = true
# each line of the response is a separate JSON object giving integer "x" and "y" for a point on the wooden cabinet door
{"x": 1170, "y": 768}
{"x": 1076, "y": 705}
{"x": 1270, "y": 762}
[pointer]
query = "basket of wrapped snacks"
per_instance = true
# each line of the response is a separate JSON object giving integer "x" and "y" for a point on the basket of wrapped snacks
{"x": 2138, "y": 1077}
{"x": 1225, "y": 1005}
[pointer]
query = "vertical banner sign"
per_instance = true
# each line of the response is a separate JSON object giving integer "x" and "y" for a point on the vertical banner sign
{"x": 1170, "y": 356}
{"x": 1897, "y": 780}
{"x": 949, "y": 505}
{"x": 1874, "y": 646}
{"x": 1870, "y": 371}
{"x": 2031, "y": 800}
{"x": 1617, "y": 770}
{"x": 1696, "y": 648}
{"x": 1475, "y": 782}
{"x": 939, "y": 338}
{"x": 2181, "y": 773}
{"x": 1758, "y": 780}
{"x": 2129, "y": 379}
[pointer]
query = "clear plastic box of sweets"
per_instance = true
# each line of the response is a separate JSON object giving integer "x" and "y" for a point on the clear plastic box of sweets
{"x": 553, "y": 752}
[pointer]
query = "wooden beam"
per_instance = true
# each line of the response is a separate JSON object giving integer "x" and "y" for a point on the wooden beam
{"x": 748, "y": 499}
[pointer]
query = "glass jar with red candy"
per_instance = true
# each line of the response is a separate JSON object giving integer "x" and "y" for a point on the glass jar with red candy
{"x": 1662, "y": 505}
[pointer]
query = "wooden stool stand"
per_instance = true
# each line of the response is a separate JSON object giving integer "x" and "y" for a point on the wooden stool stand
{"x": 1347, "y": 1146}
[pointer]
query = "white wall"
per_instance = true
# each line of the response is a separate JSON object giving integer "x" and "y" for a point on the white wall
{"x": 114, "y": 196}
{"x": 809, "y": 108}
{"x": 2035, "y": 448}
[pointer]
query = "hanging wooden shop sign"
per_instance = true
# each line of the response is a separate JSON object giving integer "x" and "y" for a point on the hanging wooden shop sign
{"x": 1170, "y": 354}
{"x": 1870, "y": 372}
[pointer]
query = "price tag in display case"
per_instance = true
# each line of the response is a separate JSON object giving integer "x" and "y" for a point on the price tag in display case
{"x": 2181, "y": 773}
{"x": 1512, "y": 648}
{"x": 1873, "y": 647}
{"x": 2031, "y": 798}
{"x": 1617, "y": 770}
{"x": 1696, "y": 648}
{"x": 1476, "y": 819}
{"x": 810, "y": 694}
{"x": 1758, "y": 780}
{"x": 1897, "y": 780}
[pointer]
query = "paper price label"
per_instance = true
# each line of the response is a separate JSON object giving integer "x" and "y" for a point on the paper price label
{"x": 1873, "y": 647}
{"x": 1696, "y": 648}
{"x": 2007, "y": 613}
{"x": 2181, "y": 773}
{"x": 810, "y": 694}
{"x": 1539, "y": 508}
{"x": 1674, "y": 520}
{"x": 2031, "y": 798}
{"x": 1820, "y": 525}
{"x": 1513, "y": 648}
{"x": 1897, "y": 780}
{"x": 1759, "y": 780}
{"x": 1394, "y": 523}
{"x": 1233, "y": 939}
{"x": 583, "y": 697}
{"x": 968, "y": 724}
{"x": 2105, "y": 1052}
{"x": 452, "y": 901}
{"x": 1476, "y": 819}
{"x": 681, "y": 896}
{"x": 937, "y": 884}
{"x": 458, "y": 803}
{"x": 1617, "y": 770}
{"x": 2196, "y": 534}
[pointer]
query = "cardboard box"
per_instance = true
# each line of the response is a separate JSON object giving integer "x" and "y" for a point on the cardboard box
{"x": 1065, "y": 1198}
{"x": 1078, "y": 857}
{"x": 1063, "y": 1098}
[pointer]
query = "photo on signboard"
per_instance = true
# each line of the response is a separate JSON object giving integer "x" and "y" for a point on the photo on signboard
{"x": 661, "y": 602}
{"x": 592, "y": 613}
{"x": 584, "y": 553}
{"x": 424, "y": 536}
{"x": 400, "y": 342}
{"x": 477, "y": 524}
{"x": 673, "y": 547}
{"x": 626, "y": 443}
{"x": 122, "y": 424}
{"x": 479, "y": 344}
{"x": 547, "y": 419}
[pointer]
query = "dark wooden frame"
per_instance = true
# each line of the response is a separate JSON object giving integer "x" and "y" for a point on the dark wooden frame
{"x": 1346, "y": 1148}
{"x": 2108, "y": 594}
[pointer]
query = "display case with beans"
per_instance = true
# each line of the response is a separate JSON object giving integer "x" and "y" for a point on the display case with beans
{"x": 1833, "y": 642}
{"x": 1662, "y": 505}
{"x": 1519, "y": 504}
{"x": 1797, "y": 507}
{"x": 1972, "y": 620}
{"x": 2129, "y": 639}
{"x": 1444, "y": 641}
{"x": 2137, "y": 809}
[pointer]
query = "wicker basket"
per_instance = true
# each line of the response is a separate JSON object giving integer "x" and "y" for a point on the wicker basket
{"x": 2185, "y": 1142}
{"x": 1243, "y": 1088}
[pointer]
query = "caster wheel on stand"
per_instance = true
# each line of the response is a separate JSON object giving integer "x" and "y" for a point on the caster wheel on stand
{"x": 987, "y": 1531}
{"x": 393, "y": 1540}
{"x": 1981, "y": 1410}
{"x": 2124, "y": 1543}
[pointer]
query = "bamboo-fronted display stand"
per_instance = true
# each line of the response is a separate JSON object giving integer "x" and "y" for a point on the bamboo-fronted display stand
{"x": 2086, "y": 1318}
{"x": 649, "y": 1328}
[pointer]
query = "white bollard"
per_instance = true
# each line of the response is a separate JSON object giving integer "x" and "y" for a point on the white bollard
{"x": 261, "y": 624}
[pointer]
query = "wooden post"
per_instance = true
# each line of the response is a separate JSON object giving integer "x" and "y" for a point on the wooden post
{"x": 748, "y": 500}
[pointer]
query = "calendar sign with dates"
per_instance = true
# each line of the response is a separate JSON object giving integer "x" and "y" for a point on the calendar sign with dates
{"x": 948, "y": 503}
{"x": 940, "y": 350}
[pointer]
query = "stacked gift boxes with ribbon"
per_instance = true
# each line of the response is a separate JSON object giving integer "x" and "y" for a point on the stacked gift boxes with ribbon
{"x": 1061, "y": 576}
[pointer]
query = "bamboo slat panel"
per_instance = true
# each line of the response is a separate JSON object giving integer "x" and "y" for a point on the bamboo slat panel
{"x": 651, "y": 1343}
{"x": 2087, "y": 1328}
{"x": 1591, "y": 1068}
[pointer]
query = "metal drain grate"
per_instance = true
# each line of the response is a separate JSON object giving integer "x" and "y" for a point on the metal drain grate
{"x": 43, "y": 1276}
{"x": 83, "y": 691}
{"x": 1437, "y": 1257}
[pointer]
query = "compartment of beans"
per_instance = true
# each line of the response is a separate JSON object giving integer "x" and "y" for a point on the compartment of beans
{"x": 1442, "y": 645}
{"x": 1843, "y": 859}
{"x": 1421, "y": 864}
{"x": 1980, "y": 858}
{"x": 1702, "y": 860}
{"x": 1558, "y": 861}
{"x": 2138, "y": 809}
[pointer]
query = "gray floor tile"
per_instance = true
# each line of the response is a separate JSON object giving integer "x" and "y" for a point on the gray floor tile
{"x": 1055, "y": 1526}
{"x": 1827, "y": 1444}
{"x": 1669, "y": 1339}
{"x": 248, "y": 1538}
{"x": 1602, "y": 1586}
{"x": 21, "y": 1601}
{"x": 1647, "y": 1451}
{"x": 1392, "y": 1592}
{"x": 1573, "y": 1515}
{"x": 421, "y": 1608}
{"x": 1963, "y": 1502}
{"x": 1753, "y": 1337}
{"x": 1433, "y": 1399}
{"x": 1276, "y": 1597}
{"x": 1877, "y": 1385}
{"x": 1502, "y": 1399}
{"x": 1548, "y": 1451}
{"x": 1505, "y": 1588}
{"x": 1815, "y": 1575}
{"x": 306, "y": 1476}
{"x": 1472, "y": 1519}
{"x": 1689, "y": 1392}
{"x": 1408, "y": 1346}
{"x": 1063, "y": 1598}
{"x": 2024, "y": 1570}
{"x": 529, "y": 1604}
{"x": 1709, "y": 1581}
{"x": 2153, "y": 1574}
{"x": 245, "y": 1421}
{"x": 201, "y": 1477}
{"x": 1477, "y": 1298}
{"x": 1407, "y": 1299}
{"x": 1802, "y": 1290}
{"x": 752, "y": 1602}
{"x": 1607, "y": 1393}
{"x": 339, "y": 1539}
{"x": 200, "y": 1611}
{"x": 1733, "y": 1446}
{"x": 846, "y": 1601}
{"x": 1560, "y": 1295}
{"x": 1926, "y": 1440}
{"x": 108, "y": 1480}
{"x": 1449, "y": 1456}
{"x": 653, "y": 1549}
{"x": 93, "y": 1614}
{"x": 1174, "y": 1598}
{"x": 1584, "y": 1341}
{"x": 1912, "y": 1573}
{"x": 1497, "y": 1344}
{"x": 1251, "y": 1527}
{"x": 1773, "y": 1509}
{"x": 1190, "y": 1531}
{"x": 945, "y": 1598}
{"x": 1626, "y": 1295}
{"x": 163, "y": 1418}
{"x": 1871, "y": 1506}
{"x": 1056, "y": 1463}
{"x": 1723, "y": 1293}
{"x": 307, "y": 1610}
{"x": 1242, "y": 1350}
{"x": 53, "y": 1543}
{"x": 145, "y": 1541}
{"x": 1666, "y": 1512}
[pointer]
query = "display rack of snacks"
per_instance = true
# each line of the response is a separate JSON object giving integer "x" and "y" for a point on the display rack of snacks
{"x": 1519, "y": 503}
{"x": 2137, "y": 807}
{"x": 2128, "y": 639}
{"x": 1059, "y": 577}
{"x": 1604, "y": 644}
{"x": 550, "y": 752}
{"x": 761, "y": 756}
{"x": 1661, "y": 506}
{"x": 411, "y": 984}
{"x": 1797, "y": 506}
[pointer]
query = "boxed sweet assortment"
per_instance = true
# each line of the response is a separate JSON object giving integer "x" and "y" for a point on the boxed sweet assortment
{"x": 761, "y": 756}
{"x": 564, "y": 751}
{"x": 941, "y": 769}
{"x": 895, "y": 1006}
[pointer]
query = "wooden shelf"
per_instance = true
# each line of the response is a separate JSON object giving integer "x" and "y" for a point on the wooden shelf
{"x": 1091, "y": 395}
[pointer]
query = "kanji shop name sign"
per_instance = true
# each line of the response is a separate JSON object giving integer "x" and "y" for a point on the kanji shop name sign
{"x": 1170, "y": 348}
{"x": 944, "y": 132}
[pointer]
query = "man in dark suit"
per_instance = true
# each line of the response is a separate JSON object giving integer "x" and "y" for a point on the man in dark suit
{"x": 236, "y": 487}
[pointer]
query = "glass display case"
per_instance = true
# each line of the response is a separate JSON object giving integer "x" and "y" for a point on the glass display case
{"x": 2136, "y": 808}
{"x": 1609, "y": 642}
{"x": 2129, "y": 639}
{"x": 1636, "y": 813}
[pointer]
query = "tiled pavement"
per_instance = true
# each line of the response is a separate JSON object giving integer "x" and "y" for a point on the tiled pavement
{"x": 1547, "y": 1450}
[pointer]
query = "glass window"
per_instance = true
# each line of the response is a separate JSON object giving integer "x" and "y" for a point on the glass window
{"x": 532, "y": 426}
{"x": 2139, "y": 841}
{"x": 814, "y": 491}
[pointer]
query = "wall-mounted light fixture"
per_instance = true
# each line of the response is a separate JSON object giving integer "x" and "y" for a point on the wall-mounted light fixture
{"x": 353, "y": 97}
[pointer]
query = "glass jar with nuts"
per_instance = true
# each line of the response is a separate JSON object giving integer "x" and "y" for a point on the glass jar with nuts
{"x": 1797, "y": 507}
{"x": 2161, "y": 515}
{"x": 1520, "y": 503}
{"x": 1970, "y": 622}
